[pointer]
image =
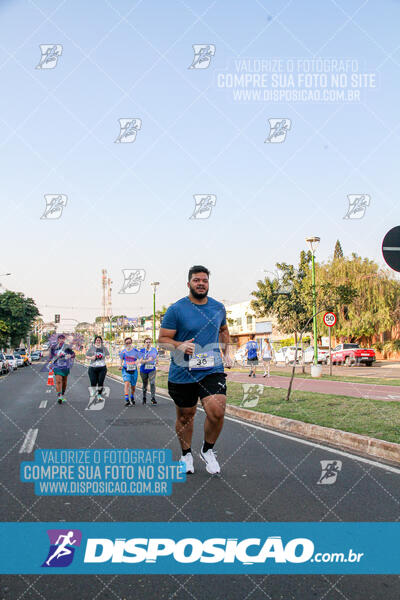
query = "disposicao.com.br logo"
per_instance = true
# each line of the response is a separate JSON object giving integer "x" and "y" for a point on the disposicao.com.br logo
{"x": 213, "y": 550}
{"x": 62, "y": 547}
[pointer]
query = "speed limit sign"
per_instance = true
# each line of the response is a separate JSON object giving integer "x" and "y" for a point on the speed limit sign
{"x": 329, "y": 319}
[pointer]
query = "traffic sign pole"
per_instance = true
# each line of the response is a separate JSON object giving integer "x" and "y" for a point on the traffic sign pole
{"x": 330, "y": 320}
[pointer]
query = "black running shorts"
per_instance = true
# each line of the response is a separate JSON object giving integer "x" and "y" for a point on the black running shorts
{"x": 186, "y": 395}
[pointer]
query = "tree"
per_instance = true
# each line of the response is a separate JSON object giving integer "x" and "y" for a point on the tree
{"x": 338, "y": 253}
{"x": 18, "y": 313}
{"x": 4, "y": 333}
{"x": 294, "y": 309}
{"x": 376, "y": 305}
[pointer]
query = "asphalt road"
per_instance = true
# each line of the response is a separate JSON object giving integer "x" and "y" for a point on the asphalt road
{"x": 265, "y": 477}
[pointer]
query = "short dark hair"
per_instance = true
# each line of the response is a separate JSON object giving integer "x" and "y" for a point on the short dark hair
{"x": 128, "y": 338}
{"x": 98, "y": 337}
{"x": 252, "y": 336}
{"x": 147, "y": 338}
{"x": 61, "y": 335}
{"x": 197, "y": 269}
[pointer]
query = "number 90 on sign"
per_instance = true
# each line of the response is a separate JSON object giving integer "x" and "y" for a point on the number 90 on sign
{"x": 329, "y": 319}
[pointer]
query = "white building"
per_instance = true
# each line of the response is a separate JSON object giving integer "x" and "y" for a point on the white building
{"x": 242, "y": 322}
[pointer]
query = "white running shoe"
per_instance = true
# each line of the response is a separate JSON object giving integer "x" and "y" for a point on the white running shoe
{"x": 212, "y": 465}
{"x": 187, "y": 460}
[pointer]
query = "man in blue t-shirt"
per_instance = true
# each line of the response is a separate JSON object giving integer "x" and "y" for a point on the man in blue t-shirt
{"x": 129, "y": 358}
{"x": 148, "y": 365}
{"x": 252, "y": 355}
{"x": 194, "y": 330}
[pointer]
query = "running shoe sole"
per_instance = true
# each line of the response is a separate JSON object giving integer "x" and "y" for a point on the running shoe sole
{"x": 210, "y": 472}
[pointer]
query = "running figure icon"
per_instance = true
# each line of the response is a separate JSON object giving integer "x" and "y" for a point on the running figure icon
{"x": 62, "y": 549}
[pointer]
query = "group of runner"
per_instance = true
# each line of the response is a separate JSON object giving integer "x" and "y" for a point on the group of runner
{"x": 194, "y": 330}
{"x": 62, "y": 355}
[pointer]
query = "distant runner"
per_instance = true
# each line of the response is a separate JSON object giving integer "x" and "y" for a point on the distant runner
{"x": 129, "y": 359}
{"x": 195, "y": 330}
{"x": 148, "y": 365}
{"x": 97, "y": 371}
{"x": 266, "y": 356}
{"x": 61, "y": 358}
{"x": 252, "y": 355}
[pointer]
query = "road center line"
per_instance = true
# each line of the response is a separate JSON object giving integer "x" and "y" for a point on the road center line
{"x": 43, "y": 404}
{"x": 29, "y": 441}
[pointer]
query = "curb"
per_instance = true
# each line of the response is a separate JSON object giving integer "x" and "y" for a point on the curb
{"x": 343, "y": 440}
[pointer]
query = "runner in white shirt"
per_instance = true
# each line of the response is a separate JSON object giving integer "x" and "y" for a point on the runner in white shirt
{"x": 266, "y": 356}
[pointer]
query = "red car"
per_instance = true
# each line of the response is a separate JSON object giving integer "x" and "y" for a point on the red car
{"x": 352, "y": 354}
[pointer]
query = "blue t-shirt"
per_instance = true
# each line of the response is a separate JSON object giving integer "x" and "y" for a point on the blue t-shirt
{"x": 201, "y": 322}
{"x": 149, "y": 366}
{"x": 251, "y": 349}
{"x": 129, "y": 357}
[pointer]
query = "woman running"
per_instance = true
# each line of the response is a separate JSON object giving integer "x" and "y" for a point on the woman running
{"x": 129, "y": 358}
{"x": 266, "y": 356}
{"x": 61, "y": 359}
{"x": 97, "y": 353}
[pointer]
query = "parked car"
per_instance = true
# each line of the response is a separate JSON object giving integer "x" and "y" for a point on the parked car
{"x": 352, "y": 354}
{"x": 45, "y": 347}
{"x": 12, "y": 361}
{"x": 4, "y": 365}
{"x": 35, "y": 355}
{"x": 286, "y": 354}
{"x": 19, "y": 359}
{"x": 323, "y": 355}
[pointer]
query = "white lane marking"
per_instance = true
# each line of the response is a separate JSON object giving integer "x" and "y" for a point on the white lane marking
{"x": 29, "y": 441}
{"x": 43, "y": 404}
{"x": 391, "y": 248}
{"x": 299, "y": 440}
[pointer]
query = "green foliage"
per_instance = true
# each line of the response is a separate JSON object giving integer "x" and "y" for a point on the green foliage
{"x": 18, "y": 313}
{"x": 291, "y": 310}
{"x": 391, "y": 347}
{"x": 373, "y": 305}
{"x": 4, "y": 333}
{"x": 294, "y": 310}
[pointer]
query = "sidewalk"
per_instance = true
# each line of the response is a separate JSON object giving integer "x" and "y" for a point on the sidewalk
{"x": 340, "y": 388}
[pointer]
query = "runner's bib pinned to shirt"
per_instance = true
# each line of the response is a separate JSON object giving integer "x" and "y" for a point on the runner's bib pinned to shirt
{"x": 204, "y": 360}
{"x": 130, "y": 366}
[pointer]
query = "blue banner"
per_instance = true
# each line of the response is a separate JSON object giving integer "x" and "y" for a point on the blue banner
{"x": 86, "y": 472}
{"x": 200, "y": 548}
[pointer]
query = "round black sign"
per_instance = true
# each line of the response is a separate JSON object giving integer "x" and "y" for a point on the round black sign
{"x": 391, "y": 248}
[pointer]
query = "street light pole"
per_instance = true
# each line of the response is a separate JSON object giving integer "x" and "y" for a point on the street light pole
{"x": 154, "y": 284}
{"x": 313, "y": 243}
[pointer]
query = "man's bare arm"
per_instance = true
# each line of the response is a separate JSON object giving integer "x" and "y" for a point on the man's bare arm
{"x": 166, "y": 341}
{"x": 224, "y": 339}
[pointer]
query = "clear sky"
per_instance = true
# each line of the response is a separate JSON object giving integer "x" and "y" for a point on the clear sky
{"x": 129, "y": 204}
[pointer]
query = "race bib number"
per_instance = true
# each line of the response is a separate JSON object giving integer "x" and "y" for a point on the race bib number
{"x": 130, "y": 367}
{"x": 150, "y": 366}
{"x": 201, "y": 361}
